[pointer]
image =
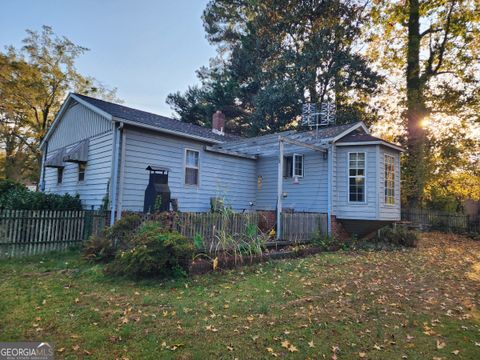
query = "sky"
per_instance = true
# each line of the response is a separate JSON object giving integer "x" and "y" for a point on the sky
{"x": 144, "y": 48}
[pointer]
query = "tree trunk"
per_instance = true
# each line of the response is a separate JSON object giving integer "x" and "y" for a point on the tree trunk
{"x": 416, "y": 111}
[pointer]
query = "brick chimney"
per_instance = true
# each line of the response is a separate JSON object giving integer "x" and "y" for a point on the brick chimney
{"x": 218, "y": 123}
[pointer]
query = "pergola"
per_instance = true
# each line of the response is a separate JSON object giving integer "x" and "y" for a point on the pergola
{"x": 276, "y": 144}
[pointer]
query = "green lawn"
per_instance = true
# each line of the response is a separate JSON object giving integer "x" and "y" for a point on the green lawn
{"x": 416, "y": 304}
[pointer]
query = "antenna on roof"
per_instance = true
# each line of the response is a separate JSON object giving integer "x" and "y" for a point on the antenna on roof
{"x": 313, "y": 118}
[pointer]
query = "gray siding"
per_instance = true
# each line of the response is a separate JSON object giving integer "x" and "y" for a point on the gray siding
{"x": 387, "y": 211}
{"x": 230, "y": 177}
{"x": 77, "y": 123}
{"x": 98, "y": 171}
{"x": 310, "y": 194}
{"x": 344, "y": 209}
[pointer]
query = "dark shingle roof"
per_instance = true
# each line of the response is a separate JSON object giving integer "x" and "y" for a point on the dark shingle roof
{"x": 150, "y": 119}
{"x": 332, "y": 131}
{"x": 357, "y": 137}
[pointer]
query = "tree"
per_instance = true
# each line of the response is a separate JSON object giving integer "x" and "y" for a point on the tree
{"x": 436, "y": 44}
{"x": 34, "y": 81}
{"x": 275, "y": 55}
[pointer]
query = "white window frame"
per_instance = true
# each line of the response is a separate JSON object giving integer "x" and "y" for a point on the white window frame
{"x": 190, "y": 167}
{"x": 295, "y": 162}
{"x": 364, "y": 178}
{"x": 385, "y": 180}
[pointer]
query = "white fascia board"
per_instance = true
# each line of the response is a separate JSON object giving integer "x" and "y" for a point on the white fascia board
{"x": 357, "y": 143}
{"x": 349, "y": 130}
{"x": 166, "y": 131}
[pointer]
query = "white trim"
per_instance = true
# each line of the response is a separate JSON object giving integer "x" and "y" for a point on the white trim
{"x": 365, "y": 202}
{"x": 385, "y": 155}
{"x": 293, "y": 165}
{"x": 121, "y": 180}
{"x": 197, "y": 185}
{"x": 92, "y": 107}
{"x": 349, "y": 130}
{"x": 230, "y": 153}
{"x": 376, "y": 142}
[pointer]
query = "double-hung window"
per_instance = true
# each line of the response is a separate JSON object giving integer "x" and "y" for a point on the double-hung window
{"x": 293, "y": 166}
{"x": 356, "y": 177}
{"x": 192, "y": 167}
{"x": 389, "y": 179}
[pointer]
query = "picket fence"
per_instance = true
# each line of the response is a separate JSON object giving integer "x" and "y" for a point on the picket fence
{"x": 32, "y": 232}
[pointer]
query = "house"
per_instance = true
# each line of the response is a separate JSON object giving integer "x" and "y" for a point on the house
{"x": 130, "y": 160}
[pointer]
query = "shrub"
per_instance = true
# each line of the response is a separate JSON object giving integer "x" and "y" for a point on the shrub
{"x": 15, "y": 196}
{"x": 154, "y": 252}
{"x": 324, "y": 241}
{"x": 122, "y": 231}
{"x": 399, "y": 235}
{"x": 98, "y": 249}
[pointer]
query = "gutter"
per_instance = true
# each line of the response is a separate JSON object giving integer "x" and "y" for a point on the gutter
{"x": 330, "y": 188}
{"x": 42, "y": 169}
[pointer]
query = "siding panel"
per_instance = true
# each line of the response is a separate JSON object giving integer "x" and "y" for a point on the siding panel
{"x": 78, "y": 123}
{"x": 93, "y": 189}
{"x": 223, "y": 176}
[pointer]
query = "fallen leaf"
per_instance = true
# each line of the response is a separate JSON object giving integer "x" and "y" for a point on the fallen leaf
{"x": 362, "y": 355}
{"x": 292, "y": 348}
{"x": 440, "y": 344}
{"x": 455, "y": 352}
{"x": 311, "y": 344}
{"x": 286, "y": 344}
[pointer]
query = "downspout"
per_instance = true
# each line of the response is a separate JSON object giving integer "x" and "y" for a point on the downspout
{"x": 116, "y": 156}
{"x": 42, "y": 170}
{"x": 122, "y": 172}
{"x": 279, "y": 188}
{"x": 330, "y": 189}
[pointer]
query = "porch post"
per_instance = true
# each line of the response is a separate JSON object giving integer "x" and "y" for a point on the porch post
{"x": 279, "y": 187}
{"x": 330, "y": 189}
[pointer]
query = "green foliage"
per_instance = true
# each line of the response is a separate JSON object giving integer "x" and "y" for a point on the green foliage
{"x": 272, "y": 58}
{"x": 98, "y": 248}
{"x": 153, "y": 253}
{"x": 122, "y": 231}
{"x": 14, "y": 196}
{"x": 324, "y": 241}
{"x": 198, "y": 241}
{"x": 398, "y": 235}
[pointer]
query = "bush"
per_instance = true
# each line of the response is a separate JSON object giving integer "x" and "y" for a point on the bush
{"x": 154, "y": 252}
{"x": 15, "y": 196}
{"x": 98, "y": 249}
{"x": 399, "y": 235}
{"x": 324, "y": 241}
{"x": 122, "y": 231}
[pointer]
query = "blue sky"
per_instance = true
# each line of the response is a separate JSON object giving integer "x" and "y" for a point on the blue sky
{"x": 145, "y": 48}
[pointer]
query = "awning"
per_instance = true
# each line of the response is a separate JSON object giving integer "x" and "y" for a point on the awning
{"x": 78, "y": 154}
{"x": 56, "y": 160}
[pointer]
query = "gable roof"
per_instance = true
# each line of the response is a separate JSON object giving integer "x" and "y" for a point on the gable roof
{"x": 365, "y": 139}
{"x": 162, "y": 122}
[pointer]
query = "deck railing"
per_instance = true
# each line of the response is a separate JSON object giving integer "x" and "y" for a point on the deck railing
{"x": 440, "y": 220}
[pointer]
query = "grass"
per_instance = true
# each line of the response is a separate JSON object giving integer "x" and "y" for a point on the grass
{"x": 416, "y": 304}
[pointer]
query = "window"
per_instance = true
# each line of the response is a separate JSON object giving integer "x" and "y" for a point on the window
{"x": 191, "y": 167}
{"x": 293, "y": 166}
{"x": 356, "y": 177}
{"x": 59, "y": 175}
{"x": 298, "y": 165}
{"x": 389, "y": 179}
{"x": 81, "y": 171}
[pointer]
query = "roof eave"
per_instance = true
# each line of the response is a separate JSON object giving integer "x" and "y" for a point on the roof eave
{"x": 377, "y": 142}
{"x": 166, "y": 131}
{"x": 349, "y": 130}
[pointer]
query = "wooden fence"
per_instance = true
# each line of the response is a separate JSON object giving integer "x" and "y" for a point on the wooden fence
{"x": 27, "y": 232}
{"x": 302, "y": 226}
{"x": 438, "y": 220}
{"x": 31, "y": 232}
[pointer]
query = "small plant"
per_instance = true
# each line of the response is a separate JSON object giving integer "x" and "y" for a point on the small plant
{"x": 98, "y": 249}
{"x": 399, "y": 235}
{"x": 324, "y": 241}
{"x": 198, "y": 241}
{"x": 153, "y": 253}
